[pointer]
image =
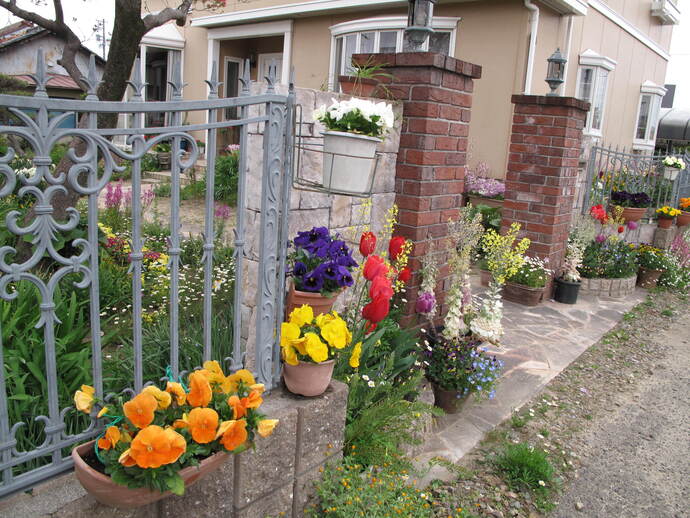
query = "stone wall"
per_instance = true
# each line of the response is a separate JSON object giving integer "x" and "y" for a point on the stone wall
{"x": 308, "y": 209}
{"x": 275, "y": 480}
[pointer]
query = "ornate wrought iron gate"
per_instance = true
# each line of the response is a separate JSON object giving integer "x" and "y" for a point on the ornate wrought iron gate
{"x": 40, "y": 128}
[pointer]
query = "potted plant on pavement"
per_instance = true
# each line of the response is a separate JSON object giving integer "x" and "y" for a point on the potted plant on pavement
{"x": 161, "y": 441}
{"x": 526, "y": 286}
{"x": 309, "y": 344}
{"x": 568, "y": 283}
{"x": 365, "y": 78}
{"x": 666, "y": 215}
{"x": 354, "y": 128}
{"x": 482, "y": 190}
{"x": 609, "y": 267}
{"x": 321, "y": 266}
{"x": 683, "y": 218}
{"x": 672, "y": 166}
{"x": 634, "y": 205}
{"x": 653, "y": 263}
{"x": 163, "y": 150}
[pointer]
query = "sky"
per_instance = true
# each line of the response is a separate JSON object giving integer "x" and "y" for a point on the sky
{"x": 678, "y": 71}
{"x": 81, "y": 16}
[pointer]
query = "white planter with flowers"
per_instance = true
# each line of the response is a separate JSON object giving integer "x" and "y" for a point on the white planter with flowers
{"x": 672, "y": 166}
{"x": 354, "y": 128}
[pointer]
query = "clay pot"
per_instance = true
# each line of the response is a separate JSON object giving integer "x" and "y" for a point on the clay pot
{"x": 683, "y": 219}
{"x": 484, "y": 277}
{"x": 318, "y": 302}
{"x": 480, "y": 200}
{"x": 522, "y": 294}
{"x": 308, "y": 379}
{"x": 633, "y": 213}
{"x": 359, "y": 86}
{"x": 647, "y": 278}
{"x": 107, "y": 492}
{"x": 450, "y": 401}
{"x": 664, "y": 222}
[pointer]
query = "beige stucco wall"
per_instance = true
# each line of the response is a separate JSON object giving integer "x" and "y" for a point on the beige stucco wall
{"x": 494, "y": 35}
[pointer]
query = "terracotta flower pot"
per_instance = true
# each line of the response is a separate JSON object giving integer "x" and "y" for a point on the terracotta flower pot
{"x": 647, "y": 278}
{"x": 450, "y": 401}
{"x": 107, "y": 492}
{"x": 683, "y": 219}
{"x": 481, "y": 200}
{"x": 484, "y": 277}
{"x": 633, "y": 213}
{"x": 522, "y": 294}
{"x": 318, "y": 302}
{"x": 664, "y": 222}
{"x": 308, "y": 379}
{"x": 360, "y": 86}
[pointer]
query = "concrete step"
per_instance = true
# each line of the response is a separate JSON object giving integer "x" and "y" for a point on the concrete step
{"x": 166, "y": 176}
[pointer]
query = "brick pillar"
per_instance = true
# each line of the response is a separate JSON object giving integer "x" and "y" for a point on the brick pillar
{"x": 436, "y": 92}
{"x": 542, "y": 170}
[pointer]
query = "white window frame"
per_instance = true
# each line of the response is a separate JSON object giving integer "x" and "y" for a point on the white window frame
{"x": 597, "y": 62}
{"x": 383, "y": 24}
{"x": 240, "y": 65}
{"x": 656, "y": 93}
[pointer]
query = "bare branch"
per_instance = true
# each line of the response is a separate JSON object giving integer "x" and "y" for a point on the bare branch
{"x": 59, "y": 15}
{"x": 51, "y": 25}
{"x": 179, "y": 14}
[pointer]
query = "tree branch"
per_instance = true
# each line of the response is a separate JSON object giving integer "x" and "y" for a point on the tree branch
{"x": 59, "y": 15}
{"x": 51, "y": 25}
{"x": 179, "y": 14}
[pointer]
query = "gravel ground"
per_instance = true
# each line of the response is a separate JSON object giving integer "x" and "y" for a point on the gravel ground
{"x": 615, "y": 424}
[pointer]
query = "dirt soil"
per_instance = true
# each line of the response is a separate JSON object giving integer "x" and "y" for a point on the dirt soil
{"x": 616, "y": 425}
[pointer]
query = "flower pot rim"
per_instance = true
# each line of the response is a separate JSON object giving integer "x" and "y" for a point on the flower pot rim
{"x": 327, "y": 362}
{"x": 525, "y": 287}
{"x": 352, "y": 135}
{"x": 315, "y": 294}
{"x": 569, "y": 283}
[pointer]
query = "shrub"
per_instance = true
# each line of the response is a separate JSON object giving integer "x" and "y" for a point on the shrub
{"x": 609, "y": 259}
{"x": 523, "y": 466}
{"x": 227, "y": 178}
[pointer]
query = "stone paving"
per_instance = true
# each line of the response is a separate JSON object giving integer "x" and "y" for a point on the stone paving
{"x": 539, "y": 342}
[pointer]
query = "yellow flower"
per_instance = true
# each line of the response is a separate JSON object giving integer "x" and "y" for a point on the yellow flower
{"x": 102, "y": 412}
{"x": 176, "y": 390}
{"x": 164, "y": 398}
{"x": 336, "y": 333}
{"x": 316, "y": 349}
{"x": 290, "y": 355}
{"x": 356, "y": 353}
{"x": 258, "y": 387}
{"x": 83, "y": 399}
{"x": 266, "y": 426}
{"x": 302, "y": 315}
{"x": 288, "y": 333}
{"x": 233, "y": 380}
{"x": 325, "y": 318}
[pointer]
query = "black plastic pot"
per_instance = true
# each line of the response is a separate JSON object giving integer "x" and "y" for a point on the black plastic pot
{"x": 566, "y": 291}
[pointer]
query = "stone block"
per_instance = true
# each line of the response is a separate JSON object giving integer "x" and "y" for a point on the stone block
{"x": 321, "y": 422}
{"x": 384, "y": 180}
{"x": 314, "y": 200}
{"x": 274, "y": 505}
{"x": 304, "y": 493}
{"x": 663, "y": 237}
{"x": 306, "y": 219}
{"x": 210, "y": 496}
{"x": 340, "y": 211}
{"x": 379, "y": 209}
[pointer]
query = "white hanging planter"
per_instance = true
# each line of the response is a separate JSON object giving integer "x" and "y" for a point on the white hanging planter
{"x": 348, "y": 162}
{"x": 671, "y": 173}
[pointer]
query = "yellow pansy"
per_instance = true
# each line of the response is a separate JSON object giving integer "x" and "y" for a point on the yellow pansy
{"x": 288, "y": 333}
{"x": 258, "y": 387}
{"x": 302, "y": 315}
{"x": 356, "y": 353}
{"x": 164, "y": 398}
{"x": 178, "y": 391}
{"x": 215, "y": 373}
{"x": 290, "y": 355}
{"x": 335, "y": 333}
{"x": 102, "y": 412}
{"x": 83, "y": 399}
{"x": 325, "y": 318}
{"x": 316, "y": 349}
{"x": 266, "y": 426}
{"x": 233, "y": 380}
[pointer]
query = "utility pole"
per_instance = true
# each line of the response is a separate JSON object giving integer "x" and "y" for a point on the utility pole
{"x": 99, "y": 29}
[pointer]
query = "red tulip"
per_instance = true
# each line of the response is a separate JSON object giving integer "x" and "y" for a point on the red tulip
{"x": 621, "y": 229}
{"x": 405, "y": 275}
{"x": 374, "y": 267}
{"x": 377, "y": 309}
{"x": 395, "y": 247}
{"x": 367, "y": 243}
{"x": 381, "y": 286}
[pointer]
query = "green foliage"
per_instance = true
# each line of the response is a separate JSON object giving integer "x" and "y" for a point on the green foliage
{"x": 523, "y": 466}
{"x": 349, "y": 490}
{"x": 149, "y": 162}
{"x": 612, "y": 259}
{"x": 58, "y": 151}
{"x": 227, "y": 178}
{"x": 533, "y": 273}
{"x": 163, "y": 190}
{"x": 491, "y": 216}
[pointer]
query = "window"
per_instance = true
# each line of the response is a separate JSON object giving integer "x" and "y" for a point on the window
{"x": 648, "y": 115}
{"x": 383, "y": 35}
{"x": 592, "y": 83}
{"x": 233, "y": 72}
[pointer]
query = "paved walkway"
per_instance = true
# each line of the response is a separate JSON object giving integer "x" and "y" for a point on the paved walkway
{"x": 539, "y": 342}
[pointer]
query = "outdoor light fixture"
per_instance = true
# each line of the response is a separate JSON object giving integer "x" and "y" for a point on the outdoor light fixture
{"x": 420, "y": 14}
{"x": 555, "y": 71}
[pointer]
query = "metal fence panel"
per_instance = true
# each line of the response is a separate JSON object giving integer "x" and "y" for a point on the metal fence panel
{"x": 42, "y": 131}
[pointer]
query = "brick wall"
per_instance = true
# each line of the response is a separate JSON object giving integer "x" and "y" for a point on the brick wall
{"x": 543, "y": 169}
{"x": 436, "y": 93}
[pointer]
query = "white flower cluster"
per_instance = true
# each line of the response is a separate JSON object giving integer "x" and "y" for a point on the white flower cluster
{"x": 338, "y": 109}
{"x": 487, "y": 324}
{"x": 26, "y": 172}
{"x": 672, "y": 161}
{"x": 454, "y": 321}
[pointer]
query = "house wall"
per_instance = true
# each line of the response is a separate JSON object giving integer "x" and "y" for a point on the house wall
{"x": 494, "y": 35}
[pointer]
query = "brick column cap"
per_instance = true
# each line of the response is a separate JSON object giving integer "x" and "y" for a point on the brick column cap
{"x": 551, "y": 100}
{"x": 420, "y": 59}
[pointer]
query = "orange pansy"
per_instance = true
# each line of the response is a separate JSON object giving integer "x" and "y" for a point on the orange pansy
{"x": 239, "y": 408}
{"x": 126, "y": 459}
{"x": 233, "y": 434}
{"x": 110, "y": 439}
{"x": 202, "y": 424}
{"x": 176, "y": 390}
{"x": 140, "y": 409}
{"x": 199, "y": 389}
{"x": 254, "y": 399}
{"x": 266, "y": 426}
{"x": 154, "y": 446}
